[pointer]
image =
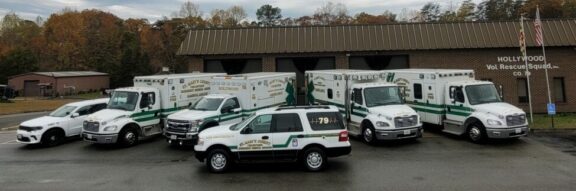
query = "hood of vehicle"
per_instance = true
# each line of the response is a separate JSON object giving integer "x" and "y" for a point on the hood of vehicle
{"x": 192, "y": 115}
{"x": 222, "y": 131}
{"x": 500, "y": 108}
{"x": 393, "y": 110}
{"x": 107, "y": 115}
{"x": 43, "y": 121}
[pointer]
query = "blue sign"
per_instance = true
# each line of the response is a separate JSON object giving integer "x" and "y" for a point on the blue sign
{"x": 551, "y": 109}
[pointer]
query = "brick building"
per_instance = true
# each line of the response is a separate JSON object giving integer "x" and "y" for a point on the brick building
{"x": 489, "y": 48}
{"x": 62, "y": 83}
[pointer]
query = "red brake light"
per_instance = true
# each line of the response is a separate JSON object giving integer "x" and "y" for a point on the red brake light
{"x": 343, "y": 136}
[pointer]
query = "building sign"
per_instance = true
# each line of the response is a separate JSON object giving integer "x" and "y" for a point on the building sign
{"x": 516, "y": 64}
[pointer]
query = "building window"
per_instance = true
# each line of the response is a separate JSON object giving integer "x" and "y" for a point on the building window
{"x": 522, "y": 90}
{"x": 417, "y": 91}
{"x": 559, "y": 92}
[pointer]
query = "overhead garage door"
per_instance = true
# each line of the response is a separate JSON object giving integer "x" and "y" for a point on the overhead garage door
{"x": 233, "y": 66}
{"x": 302, "y": 64}
{"x": 379, "y": 62}
{"x": 31, "y": 88}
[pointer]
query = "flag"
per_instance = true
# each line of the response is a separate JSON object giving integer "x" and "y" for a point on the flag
{"x": 538, "y": 28}
{"x": 522, "y": 38}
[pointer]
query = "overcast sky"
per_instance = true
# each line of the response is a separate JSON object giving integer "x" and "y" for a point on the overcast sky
{"x": 156, "y": 9}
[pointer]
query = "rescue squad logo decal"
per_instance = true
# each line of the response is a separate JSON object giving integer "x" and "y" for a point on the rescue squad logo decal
{"x": 255, "y": 145}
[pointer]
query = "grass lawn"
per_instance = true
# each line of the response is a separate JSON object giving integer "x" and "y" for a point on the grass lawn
{"x": 32, "y": 105}
{"x": 561, "y": 121}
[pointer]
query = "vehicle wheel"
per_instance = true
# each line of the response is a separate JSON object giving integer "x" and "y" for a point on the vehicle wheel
{"x": 52, "y": 138}
{"x": 368, "y": 134}
{"x": 218, "y": 161}
{"x": 128, "y": 137}
{"x": 477, "y": 133}
{"x": 314, "y": 159}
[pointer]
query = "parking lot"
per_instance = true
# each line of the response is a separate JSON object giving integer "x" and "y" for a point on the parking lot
{"x": 435, "y": 162}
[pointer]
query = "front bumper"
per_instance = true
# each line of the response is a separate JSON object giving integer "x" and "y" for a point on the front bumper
{"x": 100, "y": 138}
{"x": 396, "y": 134}
{"x": 503, "y": 133}
{"x": 183, "y": 138}
{"x": 28, "y": 137}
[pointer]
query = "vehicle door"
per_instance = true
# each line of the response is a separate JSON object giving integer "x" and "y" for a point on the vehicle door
{"x": 287, "y": 134}
{"x": 150, "y": 113}
{"x": 74, "y": 125}
{"x": 455, "y": 104}
{"x": 430, "y": 97}
{"x": 230, "y": 112}
{"x": 255, "y": 141}
{"x": 357, "y": 110}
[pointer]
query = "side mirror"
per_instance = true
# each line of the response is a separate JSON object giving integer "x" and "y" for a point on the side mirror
{"x": 150, "y": 106}
{"x": 237, "y": 110}
{"x": 247, "y": 130}
{"x": 74, "y": 115}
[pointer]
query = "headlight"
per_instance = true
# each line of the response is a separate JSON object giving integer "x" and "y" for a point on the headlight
{"x": 494, "y": 122}
{"x": 501, "y": 116}
{"x": 200, "y": 141}
{"x": 382, "y": 124}
{"x": 110, "y": 128}
{"x": 35, "y": 128}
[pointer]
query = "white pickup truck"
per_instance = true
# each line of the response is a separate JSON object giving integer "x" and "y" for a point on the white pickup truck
{"x": 232, "y": 98}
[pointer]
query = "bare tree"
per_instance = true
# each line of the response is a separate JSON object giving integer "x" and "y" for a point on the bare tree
{"x": 331, "y": 13}
{"x": 188, "y": 10}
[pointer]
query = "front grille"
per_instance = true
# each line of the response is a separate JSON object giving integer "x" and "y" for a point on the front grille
{"x": 400, "y": 122}
{"x": 24, "y": 139}
{"x": 514, "y": 120}
{"x": 91, "y": 126}
{"x": 179, "y": 126}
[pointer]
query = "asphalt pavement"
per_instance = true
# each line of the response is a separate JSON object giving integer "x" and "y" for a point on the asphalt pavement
{"x": 435, "y": 162}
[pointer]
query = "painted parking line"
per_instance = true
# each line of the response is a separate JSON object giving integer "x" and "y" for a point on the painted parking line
{"x": 12, "y": 142}
{"x": 9, "y": 128}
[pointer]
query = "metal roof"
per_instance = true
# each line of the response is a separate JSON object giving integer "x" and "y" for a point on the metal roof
{"x": 65, "y": 74}
{"x": 384, "y": 37}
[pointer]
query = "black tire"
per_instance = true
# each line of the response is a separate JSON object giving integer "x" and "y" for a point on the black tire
{"x": 314, "y": 159}
{"x": 218, "y": 160}
{"x": 128, "y": 137}
{"x": 52, "y": 138}
{"x": 476, "y": 133}
{"x": 368, "y": 134}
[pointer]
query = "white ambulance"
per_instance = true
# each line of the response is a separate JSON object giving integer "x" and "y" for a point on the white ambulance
{"x": 139, "y": 111}
{"x": 373, "y": 107}
{"x": 231, "y": 98}
{"x": 463, "y": 105}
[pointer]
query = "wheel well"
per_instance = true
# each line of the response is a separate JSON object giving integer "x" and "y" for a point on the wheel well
{"x": 219, "y": 146}
{"x": 57, "y": 129}
{"x": 310, "y": 146}
{"x": 133, "y": 125}
{"x": 365, "y": 122}
{"x": 471, "y": 121}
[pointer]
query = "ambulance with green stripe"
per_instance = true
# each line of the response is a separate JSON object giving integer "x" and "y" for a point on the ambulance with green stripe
{"x": 463, "y": 105}
{"x": 372, "y": 106}
{"x": 231, "y": 98}
{"x": 140, "y": 111}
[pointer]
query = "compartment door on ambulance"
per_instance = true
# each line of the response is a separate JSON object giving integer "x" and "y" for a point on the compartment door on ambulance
{"x": 430, "y": 99}
{"x": 287, "y": 136}
{"x": 255, "y": 140}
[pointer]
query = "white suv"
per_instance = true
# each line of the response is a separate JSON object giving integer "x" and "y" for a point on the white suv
{"x": 63, "y": 122}
{"x": 307, "y": 134}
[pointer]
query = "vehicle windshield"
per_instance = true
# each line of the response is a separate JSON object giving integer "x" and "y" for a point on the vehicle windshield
{"x": 238, "y": 126}
{"x": 480, "y": 94}
{"x": 123, "y": 100}
{"x": 379, "y": 96}
{"x": 63, "y": 111}
{"x": 207, "y": 104}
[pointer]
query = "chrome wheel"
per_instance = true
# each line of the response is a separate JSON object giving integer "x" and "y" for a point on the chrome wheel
{"x": 368, "y": 135}
{"x": 130, "y": 137}
{"x": 314, "y": 160}
{"x": 218, "y": 161}
{"x": 475, "y": 133}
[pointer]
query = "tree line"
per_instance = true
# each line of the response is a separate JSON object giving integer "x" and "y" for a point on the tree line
{"x": 92, "y": 39}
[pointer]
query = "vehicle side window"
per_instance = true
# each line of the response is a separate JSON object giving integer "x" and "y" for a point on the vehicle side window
{"x": 231, "y": 103}
{"x": 459, "y": 95}
{"x": 358, "y": 96}
{"x": 288, "y": 122}
{"x": 417, "y": 91}
{"x": 147, "y": 99}
{"x": 260, "y": 124}
{"x": 321, "y": 121}
{"x": 98, "y": 107}
{"x": 330, "y": 93}
{"x": 85, "y": 110}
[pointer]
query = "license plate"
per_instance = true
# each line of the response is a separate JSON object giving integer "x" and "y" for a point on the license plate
{"x": 89, "y": 136}
{"x": 406, "y": 132}
{"x": 173, "y": 137}
{"x": 518, "y": 130}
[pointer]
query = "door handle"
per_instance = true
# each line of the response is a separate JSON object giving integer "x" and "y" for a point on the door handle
{"x": 265, "y": 137}
{"x": 300, "y": 136}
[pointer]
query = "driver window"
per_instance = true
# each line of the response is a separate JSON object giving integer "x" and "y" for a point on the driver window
{"x": 231, "y": 103}
{"x": 260, "y": 124}
{"x": 147, "y": 99}
{"x": 84, "y": 110}
{"x": 358, "y": 96}
{"x": 459, "y": 95}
